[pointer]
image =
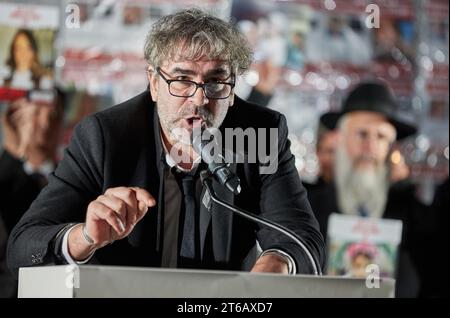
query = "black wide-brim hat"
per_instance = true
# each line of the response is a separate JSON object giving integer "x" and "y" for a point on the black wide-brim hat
{"x": 371, "y": 97}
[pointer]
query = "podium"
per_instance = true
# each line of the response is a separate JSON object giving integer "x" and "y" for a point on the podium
{"x": 86, "y": 281}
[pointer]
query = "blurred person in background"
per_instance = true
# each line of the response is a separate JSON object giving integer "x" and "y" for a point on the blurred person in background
{"x": 132, "y": 15}
{"x": 393, "y": 41}
{"x": 436, "y": 265}
{"x": 327, "y": 141}
{"x": 268, "y": 40}
{"x": 296, "y": 47}
{"x": 270, "y": 57}
{"x": 334, "y": 41}
{"x": 368, "y": 128}
{"x": 398, "y": 169}
{"x": 31, "y": 133}
{"x": 7, "y": 282}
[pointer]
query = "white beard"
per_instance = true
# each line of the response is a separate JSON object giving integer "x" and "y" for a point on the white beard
{"x": 358, "y": 189}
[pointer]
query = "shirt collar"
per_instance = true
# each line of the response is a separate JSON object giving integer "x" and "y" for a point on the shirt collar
{"x": 45, "y": 168}
{"x": 172, "y": 163}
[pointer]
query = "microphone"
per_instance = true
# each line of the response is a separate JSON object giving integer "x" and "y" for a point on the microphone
{"x": 216, "y": 163}
{"x": 205, "y": 179}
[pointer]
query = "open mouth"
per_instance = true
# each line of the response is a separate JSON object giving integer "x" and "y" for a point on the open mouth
{"x": 194, "y": 121}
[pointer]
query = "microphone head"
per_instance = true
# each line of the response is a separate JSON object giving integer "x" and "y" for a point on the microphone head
{"x": 234, "y": 185}
{"x": 205, "y": 145}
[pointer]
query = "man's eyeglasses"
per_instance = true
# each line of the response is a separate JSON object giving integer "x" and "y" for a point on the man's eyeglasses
{"x": 187, "y": 88}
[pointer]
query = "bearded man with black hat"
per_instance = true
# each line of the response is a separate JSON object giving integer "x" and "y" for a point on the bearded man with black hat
{"x": 369, "y": 126}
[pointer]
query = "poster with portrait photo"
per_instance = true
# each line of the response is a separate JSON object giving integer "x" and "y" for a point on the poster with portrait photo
{"x": 357, "y": 245}
{"x": 27, "y": 35}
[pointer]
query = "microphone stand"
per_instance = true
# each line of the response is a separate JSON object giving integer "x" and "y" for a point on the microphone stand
{"x": 206, "y": 181}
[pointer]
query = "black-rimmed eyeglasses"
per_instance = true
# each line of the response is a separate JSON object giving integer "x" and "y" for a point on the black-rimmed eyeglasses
{"x": 187, "y": 88}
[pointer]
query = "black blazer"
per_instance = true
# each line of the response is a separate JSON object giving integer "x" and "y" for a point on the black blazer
{"x": 121, "y": 146}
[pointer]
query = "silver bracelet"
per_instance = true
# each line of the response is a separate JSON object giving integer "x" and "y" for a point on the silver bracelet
{"x": 86, "y": 235}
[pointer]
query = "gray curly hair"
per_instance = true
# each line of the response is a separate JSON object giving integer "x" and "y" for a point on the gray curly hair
{"x": 197, "y": 34}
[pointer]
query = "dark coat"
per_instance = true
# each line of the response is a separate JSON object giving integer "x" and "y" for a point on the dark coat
{"x": 436, "y": 283}
{"x": 18, "y": 190}
{"x": 122, "y": 147}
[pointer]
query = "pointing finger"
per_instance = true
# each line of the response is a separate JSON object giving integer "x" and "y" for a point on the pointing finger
{"x": 144, "y": 196}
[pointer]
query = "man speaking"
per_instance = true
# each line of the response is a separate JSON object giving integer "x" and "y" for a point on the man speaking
{"x": 127, "y": 191}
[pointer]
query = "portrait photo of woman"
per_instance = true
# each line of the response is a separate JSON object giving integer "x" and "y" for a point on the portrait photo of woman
{"x": 25, "y": 68}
